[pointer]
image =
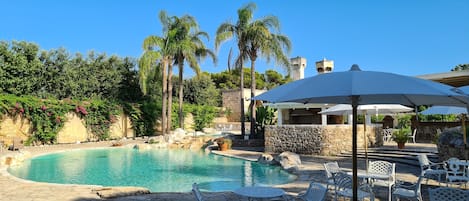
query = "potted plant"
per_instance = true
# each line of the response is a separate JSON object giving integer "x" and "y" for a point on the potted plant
{"x": 224, "y": 144}
{"x": 401, "y": 136}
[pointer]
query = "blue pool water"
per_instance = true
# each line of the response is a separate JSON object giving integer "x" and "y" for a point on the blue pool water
{"x": 159, "y": 170}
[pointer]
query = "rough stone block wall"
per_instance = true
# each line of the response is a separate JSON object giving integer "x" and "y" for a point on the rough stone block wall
{"x": 74, "y": 129}
{"x": 445, "y": 152}
{"x": 426, "y": 131}
{"x": 318, "y": 139}
{"x": 231, "y": 100}
{"x": 121, "y": 128}
{"x": 14, "y": 127}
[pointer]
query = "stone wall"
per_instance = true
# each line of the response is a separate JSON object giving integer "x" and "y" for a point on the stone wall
{"x": 318, "y": 139}
{"x": 74, "y": 129}
{"x": 426, "y": 131}
{"x": 231, "y": 100}
{"x": 121, "y": 128}
{"x": 446, "y": 151}
{"x": 14, "y": 127}
{"x": 451, "y": 144}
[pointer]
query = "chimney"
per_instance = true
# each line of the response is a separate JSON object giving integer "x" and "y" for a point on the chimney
{"x": 324, "y": 66}
{"x": 298, "y": 65}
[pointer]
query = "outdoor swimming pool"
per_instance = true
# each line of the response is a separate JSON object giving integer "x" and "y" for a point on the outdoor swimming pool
{"x": 159, "y": 170}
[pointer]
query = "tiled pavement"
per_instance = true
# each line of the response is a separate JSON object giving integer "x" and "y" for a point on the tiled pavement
{"x": 12, "y": 188}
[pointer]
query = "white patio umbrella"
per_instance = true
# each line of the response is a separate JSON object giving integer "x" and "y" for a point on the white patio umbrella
{"x": 444, "y": 110}
{"x": 358, "y": 87}
{"x": 346, "y": 109}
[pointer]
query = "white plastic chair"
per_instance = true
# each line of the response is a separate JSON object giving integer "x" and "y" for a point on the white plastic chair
{"x": 331, "y": 168}
{"x": 448, "y": 194}
{"x": 198, "y": 194}
{"x": 315, "y": 192}
{"x": 457, "y": 171}
{"x": 384, "y": 168}
{"x": 412, "y": 137}
{"x": 343, "y": 188}
{"x": 408, "y": 191}
{"x": 429, "y": 169}
{"x": 387, "y": 134}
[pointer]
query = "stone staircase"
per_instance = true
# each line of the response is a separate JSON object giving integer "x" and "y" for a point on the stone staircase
{"x": 394, "y": 155}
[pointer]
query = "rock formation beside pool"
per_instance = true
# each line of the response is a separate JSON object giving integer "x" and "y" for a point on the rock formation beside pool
{"x": 289, "y": 161}
{"x": 451, "y": 144}
{"x": 267, "y": 159}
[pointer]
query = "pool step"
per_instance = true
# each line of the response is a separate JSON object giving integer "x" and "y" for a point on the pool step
{"x": 408, "y": 157}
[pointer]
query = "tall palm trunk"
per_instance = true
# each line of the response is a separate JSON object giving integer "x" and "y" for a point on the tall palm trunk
{"x": 181, "y": 94}
{"x": 241, "y": 86}
{"x": 252, "y": 106}
{"x": 170, "y": 96}
{"x": 165, "y": 98}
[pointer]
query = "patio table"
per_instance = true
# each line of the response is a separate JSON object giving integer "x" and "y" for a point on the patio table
{"x": 257, "y": 192}
{"x": 366, "y": 175}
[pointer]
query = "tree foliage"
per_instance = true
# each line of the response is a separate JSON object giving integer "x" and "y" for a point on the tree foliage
{"x": 43, "y": 85}
{"x": 24, "y": 70}
{"x": 461, "y": 67}
{"x": 201, "y": 91}
{"x": 254, "y": 37}
{"x": 267, "y": 80}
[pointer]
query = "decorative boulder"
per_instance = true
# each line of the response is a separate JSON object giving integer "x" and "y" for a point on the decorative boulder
{"x": 14, "y": 159}
{"x": 142, "y": 146}
{"x": 198, "y": 133}
{"x": 156, "y": 139}
{"x": 209, "y": 130}
{"x": 289, "y": 161}
{"x": 179, "y": 131}
{"x": 266, "y": 159}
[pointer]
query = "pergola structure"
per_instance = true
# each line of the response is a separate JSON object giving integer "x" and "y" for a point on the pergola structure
{"x": 453, "y": 78}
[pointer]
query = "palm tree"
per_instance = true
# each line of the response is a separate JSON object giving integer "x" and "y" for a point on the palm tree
{"x": 253, "y": 36}
{"x": 190, "y": 49}
{"x": 158, "y": 52}
{"x": 270, "y": 45}
{"x": 225, "y": 32}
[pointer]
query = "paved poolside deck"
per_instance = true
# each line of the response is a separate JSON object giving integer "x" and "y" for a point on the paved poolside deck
{"x": 12, "y": 188}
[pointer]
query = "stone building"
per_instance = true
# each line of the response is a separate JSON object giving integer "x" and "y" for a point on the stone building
{"x": 231, "y": 101}
{"x": 296, "y": 113}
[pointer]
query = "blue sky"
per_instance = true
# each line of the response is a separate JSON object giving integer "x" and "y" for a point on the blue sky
{"x": 400, "y": 36}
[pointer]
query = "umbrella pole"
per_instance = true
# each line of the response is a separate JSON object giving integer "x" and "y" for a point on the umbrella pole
{"x": 366, "y": 143}
{"x": 354, "y": 148}
{"x": 463, "y": 126}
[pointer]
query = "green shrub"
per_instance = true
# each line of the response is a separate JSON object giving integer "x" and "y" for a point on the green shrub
{"x": 401, "y": 135}
{"x": 203, "y": 115}
{"x": 403, "y": 121}
{"x": 46, "y": 116}
{"x": 264, "y": 116}
{"x": 99, "y": 115}
{"x": 143, "y": 116}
